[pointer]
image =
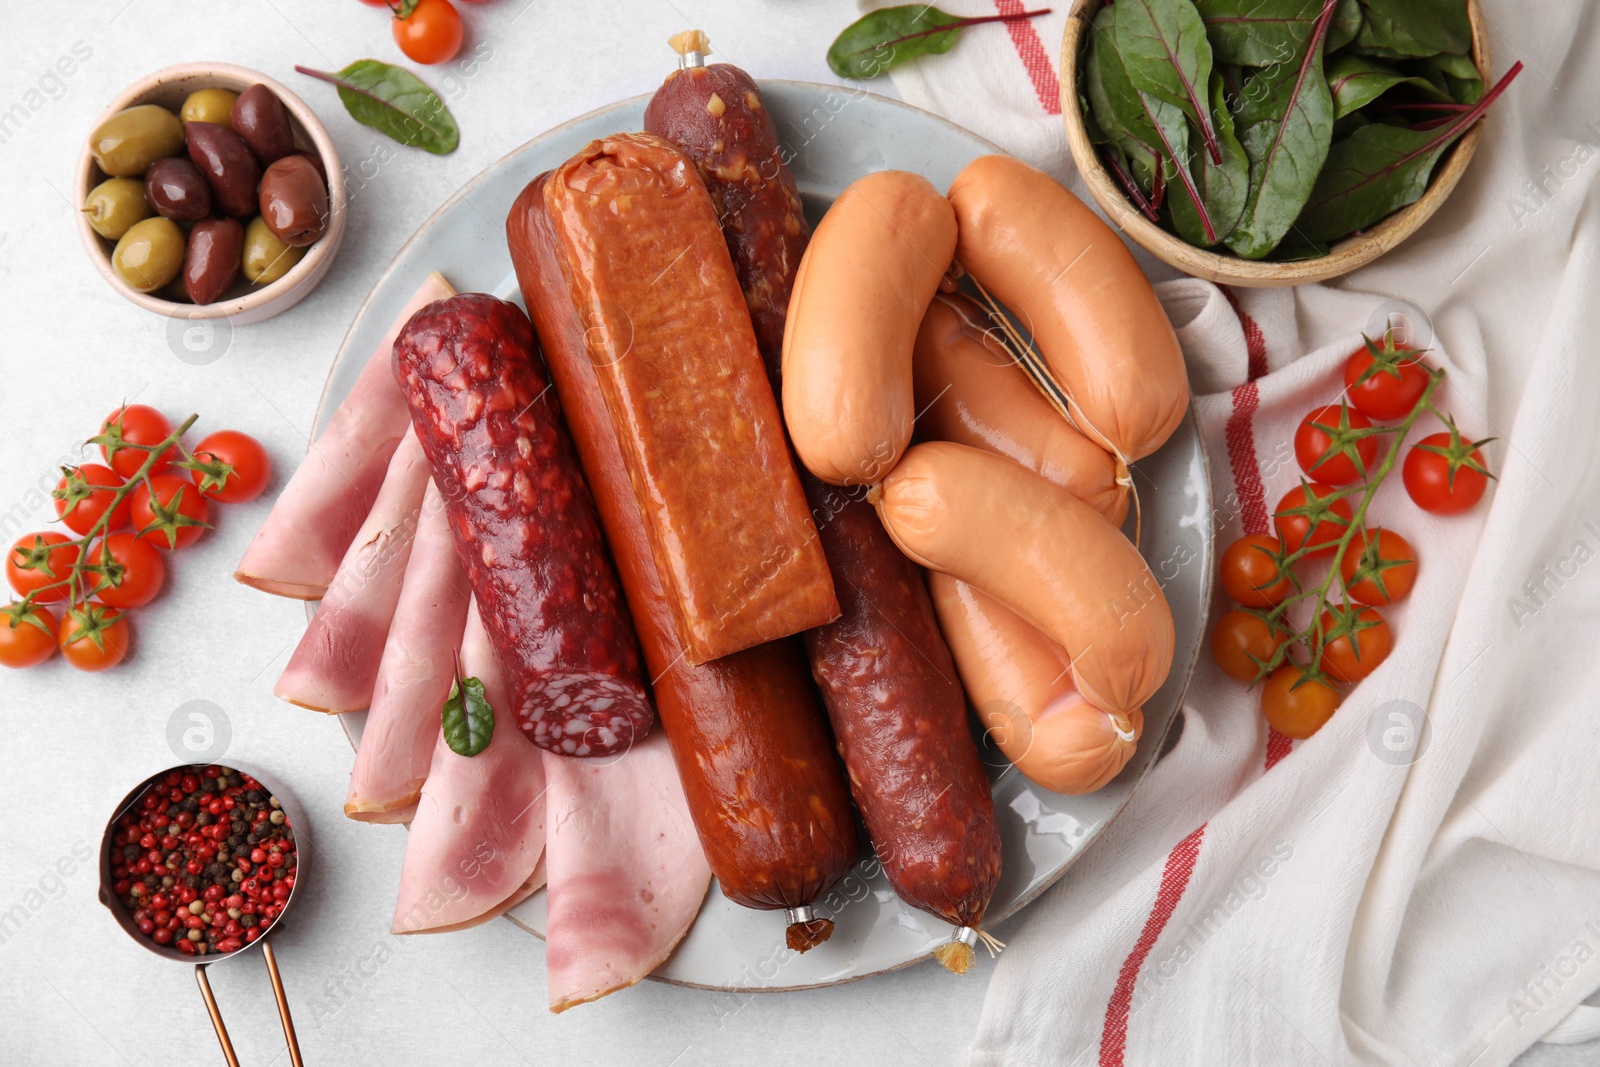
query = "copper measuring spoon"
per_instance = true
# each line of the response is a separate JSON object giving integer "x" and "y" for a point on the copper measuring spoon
{"x": 296, "y": 822}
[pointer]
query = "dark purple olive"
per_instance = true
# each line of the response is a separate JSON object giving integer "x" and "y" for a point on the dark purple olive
{"x": 316, "y": 161}
{"x": 177, "y": 190}
{"x": 294, "y": 202}
{"x": 262, "y": 120}
{"x": 211, "y": 261}
{"x": 228, "y": 164}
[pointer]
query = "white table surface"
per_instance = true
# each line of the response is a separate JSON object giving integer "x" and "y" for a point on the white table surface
{"x": 73, "y": 989}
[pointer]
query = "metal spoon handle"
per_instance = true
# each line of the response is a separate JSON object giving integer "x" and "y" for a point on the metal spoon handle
{"x": 216, "y": 1015}
{"x": 277, "y": 994}
{"x": 283, "y": 1004}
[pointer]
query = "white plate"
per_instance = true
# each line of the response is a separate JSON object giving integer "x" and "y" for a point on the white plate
{"x": 836, "y": 136}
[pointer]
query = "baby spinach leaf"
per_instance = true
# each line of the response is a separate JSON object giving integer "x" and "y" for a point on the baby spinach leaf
{"x": 1223, "y": 187}
{"x": 1414, "y": 27}
{"x": 395, "y": 102}
{"x": 1112, "y": 97}
{"x": 1454, "y": 75}
{"x": 1152, "y": 134}
{"x": 1259, "y": 33}
{"x": 467, "y": 718}
{"x": 1287, "y": 120}
{"x": 1295, "y": 247}
{"x": 1163, "y": 46}
{"x": 1345, "y": 26}
{"x": 1379, "y": 169}
{"x": 1356, "y": 81}
{"x": 889, "y": 36}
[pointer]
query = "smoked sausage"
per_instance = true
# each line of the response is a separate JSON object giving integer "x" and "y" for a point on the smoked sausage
{"x": 675, "y": 356}
{"x": 716, "y": 115}
{"x": 885, "y": 673}
{"x": 900, "y": 717}
{"x": 524, "y": 524}
{"x": 1020, "y": 684}
{"x": 970, "y": 390}
{"x": 870, "y": 270}
{"x": 1043, "y": 553}
{"x": 764, "y": 789}
{"x": 1072, "y": 282}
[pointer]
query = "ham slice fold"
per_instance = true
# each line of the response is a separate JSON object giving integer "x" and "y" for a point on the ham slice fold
{"x": 479, "y": 831}
{"x": 414, "y": 675}
{"x": 298, "y": 548}
{"x": 626, "y": 872}
{"x": 335, "y": 665}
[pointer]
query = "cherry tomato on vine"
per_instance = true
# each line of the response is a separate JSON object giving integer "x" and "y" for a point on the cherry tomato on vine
{"x": 174, "y": 515}
{"x": 134, "y": 573}
{"x": 137, "y": 424}
{"x": 1445, "y": 474}
{"x": 1238, "y": 637}
{"x": 1311, "y": 514}
{"x": 1250, "y": 573}
{"x": 38, "y": 561}
{"x": 1379, "y": 567}
{"x": 430, "y": 32}
{"x": 1330, "y": 447}
{"x": 237, "y": 468}
{"x": 1361, "y": 640}
{"x": 94, "y": 637}
{"x": 1296, "y": 703}
{"x": 83, "y": 495}
{"x": 1385, "y": 381}
{"x": 26, "y": 637}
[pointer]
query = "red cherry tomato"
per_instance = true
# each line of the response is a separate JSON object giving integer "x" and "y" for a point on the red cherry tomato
{"x": 26, "y": 637}
{"x": 1362, "y": 641}
{"x": 238, "y": 468}
{"x": 1385, "y": 381}
{"x": 431, "y": 33}
{"x": 1296, "y": 703}
{"x": 137, "y": 424}
{"x": 94, "y": 637}
{"x": 1445, "y": 474}
{"x": 134, "y": 573}
{"x": 83, "y": 495}
{"x": 37, "y": 562}
{"x": 1309, "y": 514}
{"x": 1330, "y": 448}
{"x": 1379, "y": 567}
{"x": 1242, "y": 641}
{"x": 1250, "y": 574}
{"x": 176, "y": 515}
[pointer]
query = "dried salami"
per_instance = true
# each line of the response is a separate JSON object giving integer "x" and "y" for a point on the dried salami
{"x": 524, "y": 524}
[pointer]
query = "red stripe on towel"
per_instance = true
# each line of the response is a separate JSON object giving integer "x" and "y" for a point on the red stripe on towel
{"x": 1174, "y": 879}
{"x": 1035, "y": 60}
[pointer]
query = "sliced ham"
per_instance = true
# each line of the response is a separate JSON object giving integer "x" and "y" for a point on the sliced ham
{"x": 298, "y": 548}
{"x": 626, "y": 872}
{"x": 414, "y": 675}
{"x": 335, "y": 665}
{"x": 479, "y": 831}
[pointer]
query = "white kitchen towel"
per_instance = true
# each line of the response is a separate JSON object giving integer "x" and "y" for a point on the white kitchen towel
{"x": 1420, "y": 882}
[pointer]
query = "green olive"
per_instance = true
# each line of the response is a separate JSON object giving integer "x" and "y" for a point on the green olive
{"x": 209, "y": 105}
{"x": 128, "y": 142}
{"x": 150, "y": 254}
{"x": 114, "y": 205}
{"x": 266, "y": 259}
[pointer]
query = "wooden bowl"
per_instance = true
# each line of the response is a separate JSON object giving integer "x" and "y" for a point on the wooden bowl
{"x": 1343, "y": 257}
{"x": 243, "y": 303}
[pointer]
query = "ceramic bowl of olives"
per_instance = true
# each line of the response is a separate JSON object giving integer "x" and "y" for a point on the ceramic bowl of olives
{"x": 208, "y": 191}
